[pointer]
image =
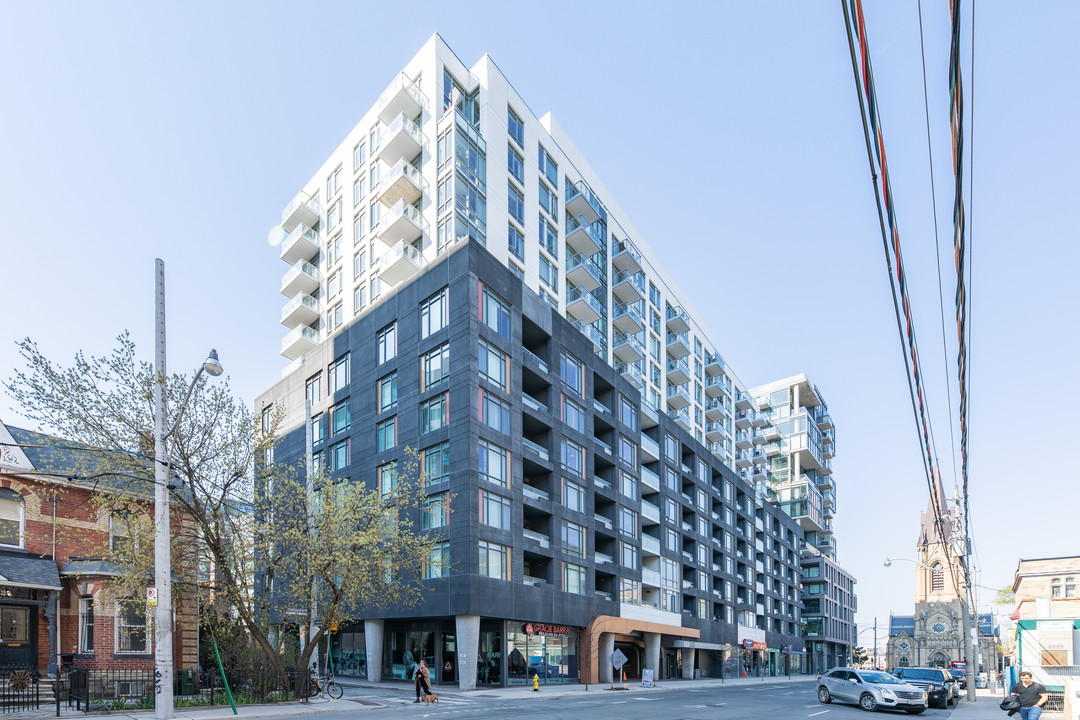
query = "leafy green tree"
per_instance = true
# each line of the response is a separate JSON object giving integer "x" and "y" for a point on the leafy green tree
{"x": 327, "y": 551}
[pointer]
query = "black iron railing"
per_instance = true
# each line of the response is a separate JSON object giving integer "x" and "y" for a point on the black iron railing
{"x": 20, "y": 689}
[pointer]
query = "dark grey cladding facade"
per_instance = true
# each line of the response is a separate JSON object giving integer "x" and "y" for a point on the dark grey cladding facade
{"x": 533, "y": 394}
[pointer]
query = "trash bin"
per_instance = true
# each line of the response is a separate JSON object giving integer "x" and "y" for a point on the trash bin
{"x": 187, "y": 682}
{"x": 697, "y": 674}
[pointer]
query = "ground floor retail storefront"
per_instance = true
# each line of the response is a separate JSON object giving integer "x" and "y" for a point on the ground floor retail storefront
{"x": 472, "y": 651}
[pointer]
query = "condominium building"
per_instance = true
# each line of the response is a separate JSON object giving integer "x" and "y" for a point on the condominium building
{"x": 508, "y": 321}
{"x": 791, "y": 448}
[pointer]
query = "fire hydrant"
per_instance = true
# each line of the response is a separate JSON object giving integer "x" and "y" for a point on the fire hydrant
{"x": 536, "y": 683}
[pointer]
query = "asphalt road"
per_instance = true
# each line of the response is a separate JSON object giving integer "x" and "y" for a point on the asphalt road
{"x": 775, "y": 701}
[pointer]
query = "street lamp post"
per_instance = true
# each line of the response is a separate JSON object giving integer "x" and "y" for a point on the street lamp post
{"x": 163, "y": 647}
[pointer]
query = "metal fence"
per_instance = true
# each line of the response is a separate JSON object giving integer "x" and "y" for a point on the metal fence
{"x": 20, "y": 690}
{"x": 117, "y": 690}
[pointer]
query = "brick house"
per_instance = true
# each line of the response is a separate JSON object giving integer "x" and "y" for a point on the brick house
{"x": 59, "y": 602}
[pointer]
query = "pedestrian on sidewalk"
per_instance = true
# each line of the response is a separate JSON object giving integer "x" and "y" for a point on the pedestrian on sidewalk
{"x": 1032, "y": 696}
{"x": 423, "y": 681}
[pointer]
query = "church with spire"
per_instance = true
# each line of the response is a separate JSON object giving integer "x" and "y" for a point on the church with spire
{"x": 933, "y": 636}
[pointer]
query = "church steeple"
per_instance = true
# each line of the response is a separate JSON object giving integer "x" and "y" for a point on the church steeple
{"x": 930, "y": 533}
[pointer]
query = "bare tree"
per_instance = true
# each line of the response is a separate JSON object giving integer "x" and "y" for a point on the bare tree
{"x": 332, "y": 553}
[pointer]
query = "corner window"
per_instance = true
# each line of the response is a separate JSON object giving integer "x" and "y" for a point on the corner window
{"x": 493, "y": 364}
{"x": 573, "y": 539}
{"x": 438, "y": 564}
{"x": 574, "y": 579}
{"x": 131, "y": 626}
{"x": 434, "y": 313}
{"x": 494, "y": 464}
{"x": 494, "y": 510}
{"x": 434, "y": 367}
{"x": 494, "y": 560}
{"x": 434, "y": 413}
{"x": 12, "y": 518}
{"x": 494, "y": 412}
{"x": 435, "y": 464}
{"x": 435, "y": 511}
{"x": 494, "y": 312}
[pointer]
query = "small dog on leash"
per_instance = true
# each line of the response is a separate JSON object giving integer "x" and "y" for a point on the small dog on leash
{"x": 432, "y": 698}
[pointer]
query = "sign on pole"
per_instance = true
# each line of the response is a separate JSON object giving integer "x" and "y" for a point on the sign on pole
{"x": 618, "y": 659}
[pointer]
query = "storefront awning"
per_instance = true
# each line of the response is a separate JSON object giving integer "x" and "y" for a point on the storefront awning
{"x": 29, "y": 572}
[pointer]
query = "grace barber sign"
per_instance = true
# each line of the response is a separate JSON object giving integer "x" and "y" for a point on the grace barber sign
{"x": 548, "y": 630}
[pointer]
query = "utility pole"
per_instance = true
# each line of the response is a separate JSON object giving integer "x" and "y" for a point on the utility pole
{"x": 163, "y": 648}
{"x": 875, "y": 641}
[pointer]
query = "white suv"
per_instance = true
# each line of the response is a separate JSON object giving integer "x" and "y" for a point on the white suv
{"x": 871, "y": 689}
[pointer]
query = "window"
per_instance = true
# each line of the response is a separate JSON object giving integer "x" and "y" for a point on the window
{"x": 339, "y": 417}
{"x": 937, "y": 578}
{"x": 494, "y": 312}
{"x": 515, "y": 203}
{"x": 515, "y": 127}
{"x": 494, "y": 560}
{"x": 339, "y": 455}
{"x": 333, "y": 215}
{"x": 387, "y": 476}
{"x": 493, "y": 362}
{"x": 627, "y": 451}
{"x": 359, "y": 228}
{"x": 494, "y": 464}
{"x": 494, "y": 412}
{"x": 121, "y": 534}
{"x": 628, "y": 521}
{"x": 386, "y": 434}
{"x": 434, "y": 313}
{"x": 629, "y": 591}
{"x": 549, "y": 238}
{"x": 628, "y": 485}
{"x": 654, "y": 296}
{"x": 573, "y": 414}
{"x": 338, "y": 374}
{"x": 386, "y": 343}
{"x": 628, "y": 413}
{"x": 515, "y": 164}
{"x": 573, "y": 457}
{"x": 549, "y": 275}
{"x": 671, "y": 448}
{"x": 435, "y": 464}
{"x": 572, "y": 373}
{"x": 573, "y": 495}
{"x": 131, "y": 630}
{"x": 11, "y": 518}
{"x": 359, "y": 155}
{"x": 316, "y": 429}
{"x": 548, "y": 167}
{"x": 438, "y": 564}
{"x": 386, "y": 392}
{"x": 434, "y": 367}
{"x": 515, "y": 242}
{"x": 628, "y": 555}
{"x": 359, "y": 190}
{"x": 1070, "y": 587}
{"x": 86, "y": 625}
{"x": 434, "y": 413}
{"x": 313, "y": 389}
{"x": 573, "y": 539}
{"x": 573, "y": 579}
{"x": 333, "y": 182}
{"x": 549, "y": 201}
{"x": 494, "y": 510}
{"x": 435, "y": 511}
{"x": 1055, "y": 588}
{"x": 334, "y": 317}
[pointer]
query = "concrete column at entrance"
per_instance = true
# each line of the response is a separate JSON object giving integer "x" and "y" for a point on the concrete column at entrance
{"x": 606, "y": 647}
{"x": 652, "y": 653}
{"x": 468, "y": 644}
{"x": 689, "y": 657}
{"x": 373, "y": 641}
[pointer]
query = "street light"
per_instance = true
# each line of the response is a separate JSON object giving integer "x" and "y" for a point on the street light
{"x": 163, "y": 647}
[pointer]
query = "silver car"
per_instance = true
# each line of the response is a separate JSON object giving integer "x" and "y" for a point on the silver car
{"x": 871, "y": 689}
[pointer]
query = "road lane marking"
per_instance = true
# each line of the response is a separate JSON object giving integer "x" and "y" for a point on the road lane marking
{"x": 817, "y": 713}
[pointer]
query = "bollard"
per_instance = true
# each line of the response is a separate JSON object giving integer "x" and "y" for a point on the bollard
{"x": 536, "y": 683}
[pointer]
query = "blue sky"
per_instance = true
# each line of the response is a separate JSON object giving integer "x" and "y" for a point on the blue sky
{"x": 728, "y": 131}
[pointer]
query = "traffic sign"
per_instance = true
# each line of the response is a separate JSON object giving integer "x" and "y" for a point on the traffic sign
{"x": 151, "y": 593}
{"x": 618, "y": 659}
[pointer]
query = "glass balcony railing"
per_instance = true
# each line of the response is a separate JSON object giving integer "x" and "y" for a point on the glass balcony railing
{"x": 574, "y": 261}
{"x": 580, "y": 199}
{"x": 625, "y": 256}
{"x": 630, "y": 312}
{"x": 536, "y": 359}
{"x": 541, "y": 451}
{"x": 583, "y": 236}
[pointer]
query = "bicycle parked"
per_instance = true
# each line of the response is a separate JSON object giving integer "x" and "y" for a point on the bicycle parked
{"x": 325, "y": 686}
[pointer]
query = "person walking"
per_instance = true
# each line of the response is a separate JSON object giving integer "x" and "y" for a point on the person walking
{"x": 423, "y": 681}
{"x": 1032, "y": 696}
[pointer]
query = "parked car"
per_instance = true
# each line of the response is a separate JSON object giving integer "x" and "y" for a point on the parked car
{"x": 960, "y": 677}
{"x": 871, "y": 689}
{"x": 939, "y": 684}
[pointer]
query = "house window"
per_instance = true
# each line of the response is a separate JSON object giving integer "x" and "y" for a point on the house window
{"x": 316, "y": 429}
{"x": 11, "y": 518}
{"x": 492, "y": 364}
{"x": 628, "y": 555}
{"x": 494, "y": 510}
{"x": 573, "y": 414}
{"x": 131, "y": 627}
{"x": 494, "y": 463}
{"x": 628, "y": 413}
{"x": 628, "y": 485}
{"x": 627, "y": 451}
{"x": 494, "y": 560}
{"x": 86, "y": 625}
{"x": 573, "y": 578}
{"x": 434, "y": 313}
{"x": 339, "y": 417}
{"x": 628, "y": 521}
{"x": 435, "y": 463}
{"x": 434, "y": 413}
{"x": 120, "y": 534}
{"x": 387, "y": 475}
{"x": 1055, "y": 588}
{"x": 573, "y": 495}
{"x": 1070, "y": 587}
{"x": 386, "y": 434}
{"x": 386, "y": 343}
{"x": 337, "y": 375}
{"x": 438, "y": 564}
{"x": 435, "y": 511}
{"x": 573, "y": 457}
{"x": 434, "y": 367}
{"x": 339, "y": 455}
{"x": 494, "y": 312}
{"x": 386, "y": 392}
